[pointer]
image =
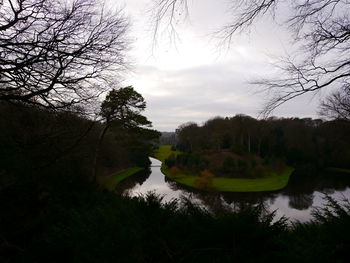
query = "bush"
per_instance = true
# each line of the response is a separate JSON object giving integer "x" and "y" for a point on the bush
{"x": 170, "y": 161}
{"x": 205, "y": 181}
{"x": 192, "y": 161}
{"x": 229, "y": 165}
{"x": 174, "y": 170}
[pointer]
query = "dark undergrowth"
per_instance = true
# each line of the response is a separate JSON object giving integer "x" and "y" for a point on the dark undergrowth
{"x": 50, "y": 211}
{"x": 90, "y": 225}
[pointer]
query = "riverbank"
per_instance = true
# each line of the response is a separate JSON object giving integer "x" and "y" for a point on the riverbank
{"x": 118, "y": 177}
{"x": 276, "y": 181}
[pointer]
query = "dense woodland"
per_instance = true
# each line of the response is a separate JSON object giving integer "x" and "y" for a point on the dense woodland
{"x": 47, "y": 159}
{"x": 298, "y": 142}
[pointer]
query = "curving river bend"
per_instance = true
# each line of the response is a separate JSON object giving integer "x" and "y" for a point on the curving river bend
{"x": 296, "y": 201}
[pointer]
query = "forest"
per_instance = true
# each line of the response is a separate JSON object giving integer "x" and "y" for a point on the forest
{"x": 299, "y": 142}
{"x": 71, "y": 132}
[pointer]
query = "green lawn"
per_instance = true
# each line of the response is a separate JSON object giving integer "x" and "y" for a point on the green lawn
{"x": 118, "y": 177}
{"x": 163, "y": 152}
{"x": 273, "y": 182}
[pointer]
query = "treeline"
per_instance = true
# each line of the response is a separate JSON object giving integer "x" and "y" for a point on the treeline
{"x": 36, "y": 141}
{"x": 297, "y": 141}
{"x": 167, "y": 138}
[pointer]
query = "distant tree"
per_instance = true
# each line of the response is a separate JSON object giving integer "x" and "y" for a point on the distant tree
{"x": 122, "y": 109}
{"x": 229, "y": 165}
{"x": 217, "y": 127}
{"x": 321, "y": 36}
{"x": 337, "y": 105}
{"x": 187, "y": 135}
{"x": 57, "y": 53}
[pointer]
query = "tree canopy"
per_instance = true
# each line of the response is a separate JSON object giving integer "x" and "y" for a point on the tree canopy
{"x": 58, "y": 53}
{"x": 123, "y": 107}
{"x": 337, "y": 105}
{"x": 297, "y": 141}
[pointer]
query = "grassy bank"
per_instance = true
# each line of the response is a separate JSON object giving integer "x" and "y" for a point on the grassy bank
{"x": 163, "y": 152}
{"x": 118, "y": 177}
{"x": 276, "y": 181}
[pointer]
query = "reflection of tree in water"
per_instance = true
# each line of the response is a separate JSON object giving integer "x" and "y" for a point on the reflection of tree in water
{"x": 130, "y": 182}
{"x": 240, "y": 201}
{"x": 300, "y": 192}
{"x": 173, "y": 185}
{"x": 211, "y": 200}
{"x": 218, "y": 202}
{"x": 307, "y": 182}
{"x": 303, "y": 183}
{"x": 301, "y": 201}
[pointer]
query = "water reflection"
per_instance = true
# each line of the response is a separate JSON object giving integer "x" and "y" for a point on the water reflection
{"x": 303, "y": 192}
{"x": 128, "y": 184}
{"x": 301, "y": 201}
{"x": 151, "y": 180}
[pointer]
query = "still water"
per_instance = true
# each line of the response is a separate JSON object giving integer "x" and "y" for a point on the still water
{"x": 296, "y": 201}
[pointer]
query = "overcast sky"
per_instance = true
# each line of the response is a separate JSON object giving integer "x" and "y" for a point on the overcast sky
{"x": 195, "y": 78}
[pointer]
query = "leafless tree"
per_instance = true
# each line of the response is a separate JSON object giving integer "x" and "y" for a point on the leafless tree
{"x": 321, "y": 31}
{"x": 170, "y": 12}
{"x": 56, "y": 53}
{"x": 337, "y": 105}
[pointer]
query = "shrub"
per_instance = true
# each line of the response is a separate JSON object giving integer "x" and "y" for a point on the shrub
{"x": 174, "y": 170}
{"x": 229, "y": 165}
{"x": 170, "y": 161}
{"x": 205, "y": 181}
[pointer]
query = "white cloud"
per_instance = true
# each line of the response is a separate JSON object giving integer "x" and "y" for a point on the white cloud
{"x": 197, "y": 80}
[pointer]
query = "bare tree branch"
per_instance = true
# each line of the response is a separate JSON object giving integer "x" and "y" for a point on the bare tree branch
{"x": 321, "y": 33}
{"x": 337, "y": 105}
{"x": 57, "y": 53}
{"x": 166, "y": 15}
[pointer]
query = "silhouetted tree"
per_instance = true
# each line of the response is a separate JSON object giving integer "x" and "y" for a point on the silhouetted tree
{"x": 187, "y": 133}
{"x": 121, "y": 109}
{"x": 58, "y": 53}
{"x": 337, "y": 105}
{"x": 300, "y": 142}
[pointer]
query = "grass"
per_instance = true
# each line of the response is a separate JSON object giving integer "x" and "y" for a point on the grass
{"x": 276, "y": 181}
{"x": 163, "y": 152}
{"x": 118, "y": 177}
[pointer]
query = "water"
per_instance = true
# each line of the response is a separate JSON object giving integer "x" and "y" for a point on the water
{"x": 303, "y": 193}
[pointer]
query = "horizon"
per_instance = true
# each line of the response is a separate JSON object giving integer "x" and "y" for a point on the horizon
{"x": 223, "y": 117}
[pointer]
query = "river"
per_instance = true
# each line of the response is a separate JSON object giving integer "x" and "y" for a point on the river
{"x": 296, "y": 201}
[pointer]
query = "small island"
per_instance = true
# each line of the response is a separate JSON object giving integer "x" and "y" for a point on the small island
{"x": 219, "y": 171}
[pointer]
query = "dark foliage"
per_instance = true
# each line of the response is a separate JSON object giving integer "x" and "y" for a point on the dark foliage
{"x": 51, "y": 212}
{"x": 93, "y": 226}
{"x": 298, "y": 141}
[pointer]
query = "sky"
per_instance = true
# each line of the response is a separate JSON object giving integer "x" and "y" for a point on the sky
{"x": 195, "y": 77}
